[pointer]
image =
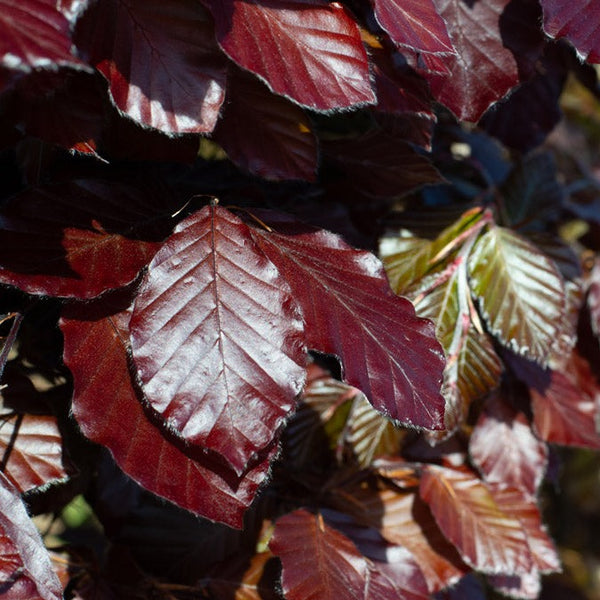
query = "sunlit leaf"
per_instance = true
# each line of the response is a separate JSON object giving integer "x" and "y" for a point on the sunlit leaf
{"x": 593, "y": 297}
{"x": 25, "y": 569}
{"x": 504, "y": 448}
{"x": 488, "y": 539}
{"x": 317, "y": 561}
{"x": 521, "y": 294}
{"x": 349, "y": 310}
{"x": 307, "y": 50}
{"x": 161, "y": 61}
{"x": 217, "y": 338}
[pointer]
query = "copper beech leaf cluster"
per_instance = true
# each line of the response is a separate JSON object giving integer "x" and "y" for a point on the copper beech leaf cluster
{"x": 299, "y": 298}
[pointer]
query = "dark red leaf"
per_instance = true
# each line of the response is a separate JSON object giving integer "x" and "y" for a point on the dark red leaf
{"x": 488, "y": 539}
{"x": 504, "y": 448}
{"x": 31, "y": 450}
{"x": 266, "y": 134}
{"x": 108, "y": 411}
{"x": 565, "y": 404}
{"x": 308, "y": 50}
{"x": 318, "y": 561}
{"x": 34, "y": 35}
{"x": 483, "y": 69}
{"x": 580, "y": 24}
{"x": 25, "y": 569}
{"x": 217, "y": 338}
{"x": 349, "y": 310}
{"x": 160, "y": 59}
{"x": 414, "y": 25}
{"x": 399, "y": 167}
{"x": 79, "y": 239}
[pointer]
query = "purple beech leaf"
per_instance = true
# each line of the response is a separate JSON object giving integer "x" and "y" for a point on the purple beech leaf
{"x": 520, "y": 505}
{"x": 400, "y": 168}
{"x": 34, "y": 35}
{"x": 161, "y": 61}
{"x": 578, "y": 22}
{"x": 264, "y": 133}
{"x": 317, "y": 560}
{"x": 504, "y": 448}
{"x": 25, "y": 569}
{"x": 107, "y": 408}
{"x": 81, "y": 238}
{"x": 349, "y": 310}
{"x": 488, "y": 539}
{"x": 307, "y": 50}
{"x": 403, "y": 519}
{"x": 30, "y": 449}
{"x": 483, "y": 70}
{"x": 217, "y": 338}
{"x": 414, "y": 25}
{"x": 520, "y": 292}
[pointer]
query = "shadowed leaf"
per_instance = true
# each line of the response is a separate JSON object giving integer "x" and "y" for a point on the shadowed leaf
{"x": 161, "y": 61}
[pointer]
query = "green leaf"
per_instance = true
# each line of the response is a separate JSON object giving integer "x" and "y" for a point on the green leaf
{"x": 521, "y": 294}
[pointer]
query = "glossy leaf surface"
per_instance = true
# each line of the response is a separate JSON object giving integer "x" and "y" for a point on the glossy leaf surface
{"x": 350, "y": 311}
{"x": 307, "y": 50}
{"x": 25, "y": 569}
{"x": 109, "y": 412}
{"x": 266, "y": 134}
{"x": 487, "y": 538}
{"x": 520, "y": 292}
{"x": 160, "y": 59}
{"x": 81, "y": 238}
{"x": 317, "y": 561}
{"x": 217, "y": 338}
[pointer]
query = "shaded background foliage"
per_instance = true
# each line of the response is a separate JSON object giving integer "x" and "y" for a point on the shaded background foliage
{"x": 300, "y": 299}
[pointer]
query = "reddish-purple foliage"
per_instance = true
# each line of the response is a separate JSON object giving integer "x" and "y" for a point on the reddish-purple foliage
{"x": 199, "y": 339}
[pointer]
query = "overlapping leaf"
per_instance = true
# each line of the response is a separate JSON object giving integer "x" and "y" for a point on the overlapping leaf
{"x": 415, "y": 25}
{"x": 160, "y": 59}
{"x": 308, "y": 50}
{"x": 349, "y": 310}
{"x": 488, "y": 539}
{"x": 505, "y": 449}
{"x": 25, "y": 569}
{"x": 266, "y": 134}
{"x": 80, "y": 238}
{"x": 34, "y": 34}
{"x": 483, "y": 70}
{"x": 404, "y": 519}
{"x": 217, "y": 338}
{"x": 31, "y": 450}
{"x": 109, "y": 412}
{"x": 400, "y": 169}
{"x": 521, "y": 294}
{"x": 317, "y": 561}
{"x": 579, "y": 23}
